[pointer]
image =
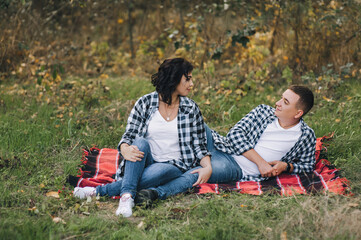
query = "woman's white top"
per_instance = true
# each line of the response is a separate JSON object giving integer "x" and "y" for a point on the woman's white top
{"x": 163, "y": 139}
{"x": 273, "y": 144}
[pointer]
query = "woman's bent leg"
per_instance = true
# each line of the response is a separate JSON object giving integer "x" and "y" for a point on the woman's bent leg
{"x": 133, "y": 170}
{"x": 110, "y": 189}
{"x": 153, "y": 175}
{"x": 158, "y": 174}
{"x": 178, "y": 185}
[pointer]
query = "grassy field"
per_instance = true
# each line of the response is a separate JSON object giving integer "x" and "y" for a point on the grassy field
{"x": 42, "y": 136}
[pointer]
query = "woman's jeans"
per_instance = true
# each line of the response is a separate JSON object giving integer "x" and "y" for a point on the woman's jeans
{"x": 141, "y": 174}
{"x": 224, "y": 169}
{"x": 166, "y": 178}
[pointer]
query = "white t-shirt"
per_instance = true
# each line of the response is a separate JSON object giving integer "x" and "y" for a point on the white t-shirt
{"x": 273, "y": 144}
{"x": 163, "y": 138}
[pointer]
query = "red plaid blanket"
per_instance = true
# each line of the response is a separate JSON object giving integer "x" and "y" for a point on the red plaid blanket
{"x": 99, "y": 167}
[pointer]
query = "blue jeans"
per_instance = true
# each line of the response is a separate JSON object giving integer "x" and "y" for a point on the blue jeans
{"x": 140, "y": 174}
{"x": 224, "y": 169}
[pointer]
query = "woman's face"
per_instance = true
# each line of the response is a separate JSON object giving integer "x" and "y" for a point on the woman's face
{"x": 185, "y": 85}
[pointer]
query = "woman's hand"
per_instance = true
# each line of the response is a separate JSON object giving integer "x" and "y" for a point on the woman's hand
{"x": 131, "y": 153}
{"x": 204, "y": 174}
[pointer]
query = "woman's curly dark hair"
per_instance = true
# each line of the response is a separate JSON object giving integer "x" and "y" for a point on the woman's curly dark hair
{"x": 169, "y": 75}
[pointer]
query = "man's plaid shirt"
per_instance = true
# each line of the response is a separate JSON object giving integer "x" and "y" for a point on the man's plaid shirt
{"x": 191, "y": 131}
{"x": 246, "y": 133}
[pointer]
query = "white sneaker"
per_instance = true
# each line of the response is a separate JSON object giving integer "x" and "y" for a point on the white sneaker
{"x": 84, "y": 192}
{"x": 126, "y": 203}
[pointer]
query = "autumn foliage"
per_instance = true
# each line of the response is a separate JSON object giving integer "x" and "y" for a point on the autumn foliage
{"x": 237, "y": 43}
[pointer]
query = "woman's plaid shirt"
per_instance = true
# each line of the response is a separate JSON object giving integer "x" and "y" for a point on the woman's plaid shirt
{"x": 191, "y": 131}
{"x": 246, "y": 133}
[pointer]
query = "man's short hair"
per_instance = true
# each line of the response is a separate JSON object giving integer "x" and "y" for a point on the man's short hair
{"x": 306, "y": 97}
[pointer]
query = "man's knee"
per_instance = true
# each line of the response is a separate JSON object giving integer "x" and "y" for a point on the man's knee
{"x": 219, "y": 164}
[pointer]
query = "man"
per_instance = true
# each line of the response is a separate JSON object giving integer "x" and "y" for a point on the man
{"x": 269, "y": 141}
{"x": 265, "y": 143}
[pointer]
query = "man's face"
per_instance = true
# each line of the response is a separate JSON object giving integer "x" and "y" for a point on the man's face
{"x": 286, "y": 107}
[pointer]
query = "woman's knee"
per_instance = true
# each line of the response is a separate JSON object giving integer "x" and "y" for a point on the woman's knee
{"x": 142, "y": 144}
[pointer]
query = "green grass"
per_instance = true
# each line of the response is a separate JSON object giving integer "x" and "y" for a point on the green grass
{"x": 42, "y": 144}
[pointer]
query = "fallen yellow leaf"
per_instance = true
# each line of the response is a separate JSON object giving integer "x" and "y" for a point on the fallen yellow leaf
{"x": 353, "y": 204}
{"x": 58, "y": 220}
{"x": 52, "y": 194}
{"x": 104, "y": 76}
{"x": 328, "y": 99}
{"x": 238, "y": 91}
{"x": 140, "y": 225}
{"x": 33, "y": 210}
{"x": 284, "y": 236}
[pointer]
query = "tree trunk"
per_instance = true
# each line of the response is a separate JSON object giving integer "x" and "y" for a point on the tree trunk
{"x": 130, "y": 28}
{"x": 271, "y": 48}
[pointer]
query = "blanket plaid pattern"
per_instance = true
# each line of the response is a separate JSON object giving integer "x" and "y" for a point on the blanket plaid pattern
{"x": 99, "y": 166}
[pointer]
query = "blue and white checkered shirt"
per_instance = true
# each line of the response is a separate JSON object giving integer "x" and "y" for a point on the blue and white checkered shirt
{"x": 246, "y": 133}
{"x": 191, "y": 131}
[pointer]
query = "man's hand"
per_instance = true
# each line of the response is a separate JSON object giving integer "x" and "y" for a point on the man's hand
{"x": 279, "y": 166}
{"x": 266, "y": 169}
{"x": 204, "y": 174}
{"x": 131, "y": 153}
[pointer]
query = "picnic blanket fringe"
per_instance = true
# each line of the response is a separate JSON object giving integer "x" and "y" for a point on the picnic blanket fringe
{"x": 98, "y": 167}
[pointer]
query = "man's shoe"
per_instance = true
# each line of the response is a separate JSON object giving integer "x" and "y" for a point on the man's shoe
{"x": 146, "y": 197}
{"x": 84, "y": 192}
{"x": 126, "y": 203}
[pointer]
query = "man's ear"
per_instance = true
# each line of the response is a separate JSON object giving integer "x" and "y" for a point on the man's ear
{"x": 299, "y": 113}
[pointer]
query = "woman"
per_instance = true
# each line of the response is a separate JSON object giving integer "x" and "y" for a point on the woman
{"x": 164, "y": 137}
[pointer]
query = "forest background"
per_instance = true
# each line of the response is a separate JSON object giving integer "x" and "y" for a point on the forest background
{"x": 70, "y": 71}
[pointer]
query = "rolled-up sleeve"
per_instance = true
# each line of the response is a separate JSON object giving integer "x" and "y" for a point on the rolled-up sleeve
{"x": 199, "y": 135}
{"x": 134, "y": 124}
{"x": 306, "y": 159}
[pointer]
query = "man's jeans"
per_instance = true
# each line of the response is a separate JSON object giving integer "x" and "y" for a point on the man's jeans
{"x": 224, "y": 169}
{"x": 141, "y": 174}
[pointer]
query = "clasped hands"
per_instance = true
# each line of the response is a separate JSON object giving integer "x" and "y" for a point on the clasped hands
{"x": 272, "y": 169}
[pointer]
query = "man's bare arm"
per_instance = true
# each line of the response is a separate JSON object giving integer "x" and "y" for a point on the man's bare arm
{"x": 264, "y": 167}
